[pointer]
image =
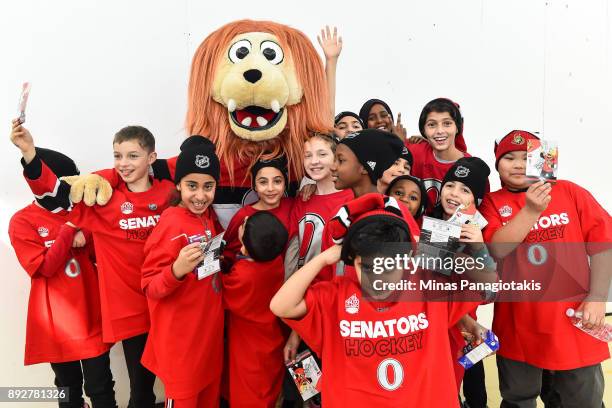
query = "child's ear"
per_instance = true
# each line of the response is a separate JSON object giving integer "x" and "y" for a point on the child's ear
{"x": 152, "y": 157}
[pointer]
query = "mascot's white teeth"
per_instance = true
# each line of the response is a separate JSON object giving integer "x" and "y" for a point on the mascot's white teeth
{"x": 231, "y": 105}
{"x": 255, "y": 117}
{"x": 275, "y": 106}
{"x": 261, "y": 121}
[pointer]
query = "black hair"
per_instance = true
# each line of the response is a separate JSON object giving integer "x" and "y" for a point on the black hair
{"x": 265, "y": 237}
{"x": 441, "y": 105}
{"x": 419, "y": 182}
{"x": 365, "y": 236}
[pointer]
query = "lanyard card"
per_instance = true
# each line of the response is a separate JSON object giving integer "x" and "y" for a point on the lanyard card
{"x": 212, "y": 249}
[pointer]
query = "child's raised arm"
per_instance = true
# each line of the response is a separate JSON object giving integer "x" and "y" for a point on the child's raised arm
{"x": 21, "y": 137}
{"x": 537, "y": 198}
{"x": 332, "y": 46}
{"x": 289, "y": 302}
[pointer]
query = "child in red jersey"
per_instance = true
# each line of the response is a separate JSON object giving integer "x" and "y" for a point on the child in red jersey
{"x": 464, "y": 184}
{"x": 255, "y": 336}
{"x": 185, "y": 344}
{"x": 307, "y": 222}
{"x": 535, "y": 336}
{"x": 64, "y": 326}
{"x": 379, "y": 353}
{"x": 120, "y": 229}
{"x": 308, "y": 218}
{"x": 441, "y": 126}
{"x": 269, "y": 181}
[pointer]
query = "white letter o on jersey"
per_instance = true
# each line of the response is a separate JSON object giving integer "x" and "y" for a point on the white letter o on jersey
{"x": 72, "y": 268}
{"x": 541, "y": 252}
{"x": 398, "y": 374}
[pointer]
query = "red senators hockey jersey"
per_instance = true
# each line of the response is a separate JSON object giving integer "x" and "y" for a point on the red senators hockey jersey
{"x": 255, "y": 336}
{"x": 120, "y": 230}
{"x": 308, "y": 219}
{"x": 380, "y": 355}
{"x": 539, "y": 333}
{"x": 64, "y": 322}
{"x": 185, "y": 344}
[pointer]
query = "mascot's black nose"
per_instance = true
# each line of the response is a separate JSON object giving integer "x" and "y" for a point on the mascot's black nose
{"x": 252, "y": 75}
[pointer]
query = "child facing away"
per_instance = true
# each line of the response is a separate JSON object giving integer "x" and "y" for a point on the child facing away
{"x": 381, "y": 352}
{"x": 64, "y": 326}
{"x": 561, "y": 227}
{"x": 256, "y": 337}
{"x": 185, "y": 344}
{"x": 120, "y": 230}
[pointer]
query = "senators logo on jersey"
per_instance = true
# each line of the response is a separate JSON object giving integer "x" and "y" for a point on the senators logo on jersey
{"x": 311, "y": 227}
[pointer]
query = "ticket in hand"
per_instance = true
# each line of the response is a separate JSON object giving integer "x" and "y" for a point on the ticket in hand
{"x": 468, "y": 215}
{"x": 23, "y": 101}
{"x": 477, "y": 351}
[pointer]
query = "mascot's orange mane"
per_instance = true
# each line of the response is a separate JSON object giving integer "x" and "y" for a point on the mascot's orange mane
{"x": 209, "y": 118}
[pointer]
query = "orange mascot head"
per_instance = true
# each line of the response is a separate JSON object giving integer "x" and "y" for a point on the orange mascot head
{"x": 257, "y": 90}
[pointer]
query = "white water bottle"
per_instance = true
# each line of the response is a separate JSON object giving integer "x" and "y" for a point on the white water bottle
{"x": 604, "y": 333}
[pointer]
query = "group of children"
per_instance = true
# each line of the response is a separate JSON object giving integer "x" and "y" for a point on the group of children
{"x": 125, "y": 271}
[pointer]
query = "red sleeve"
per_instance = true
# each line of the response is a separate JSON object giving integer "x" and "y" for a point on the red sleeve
{"x": 327, "y": 272}
{"x": 171, "y": 164}
{"x": 59, "y": 252}
{"x": 320, "y": 304}
{"x": 160, "y": 253}
{"x": 489, "y": 212}
{"x": 31, "y": 252}
{"x": 456, "y": 310}
{"x": 53, "y": 194}
{"x": 595, "y": 222}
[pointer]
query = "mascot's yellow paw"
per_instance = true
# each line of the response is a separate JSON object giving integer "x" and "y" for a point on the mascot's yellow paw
{"x": 90, "y": 188}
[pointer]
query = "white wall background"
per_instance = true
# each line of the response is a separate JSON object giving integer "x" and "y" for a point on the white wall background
{"x": 96, "y": 66}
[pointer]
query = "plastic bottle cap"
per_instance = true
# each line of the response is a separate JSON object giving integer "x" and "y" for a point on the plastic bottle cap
{"x": 570, "y": 312}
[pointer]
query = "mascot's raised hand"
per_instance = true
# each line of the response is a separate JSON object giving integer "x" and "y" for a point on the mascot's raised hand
{"x": 92, "y": 189}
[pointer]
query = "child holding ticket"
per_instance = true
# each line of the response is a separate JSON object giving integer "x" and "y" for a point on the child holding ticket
{"x": 185, "y": 345}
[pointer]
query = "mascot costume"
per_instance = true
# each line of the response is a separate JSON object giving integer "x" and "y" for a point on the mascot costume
{"x": 258, "y": 91}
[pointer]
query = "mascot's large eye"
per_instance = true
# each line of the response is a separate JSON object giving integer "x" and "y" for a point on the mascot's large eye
{"x": 239, "y": 50}
{"x": 272, "y": 51}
